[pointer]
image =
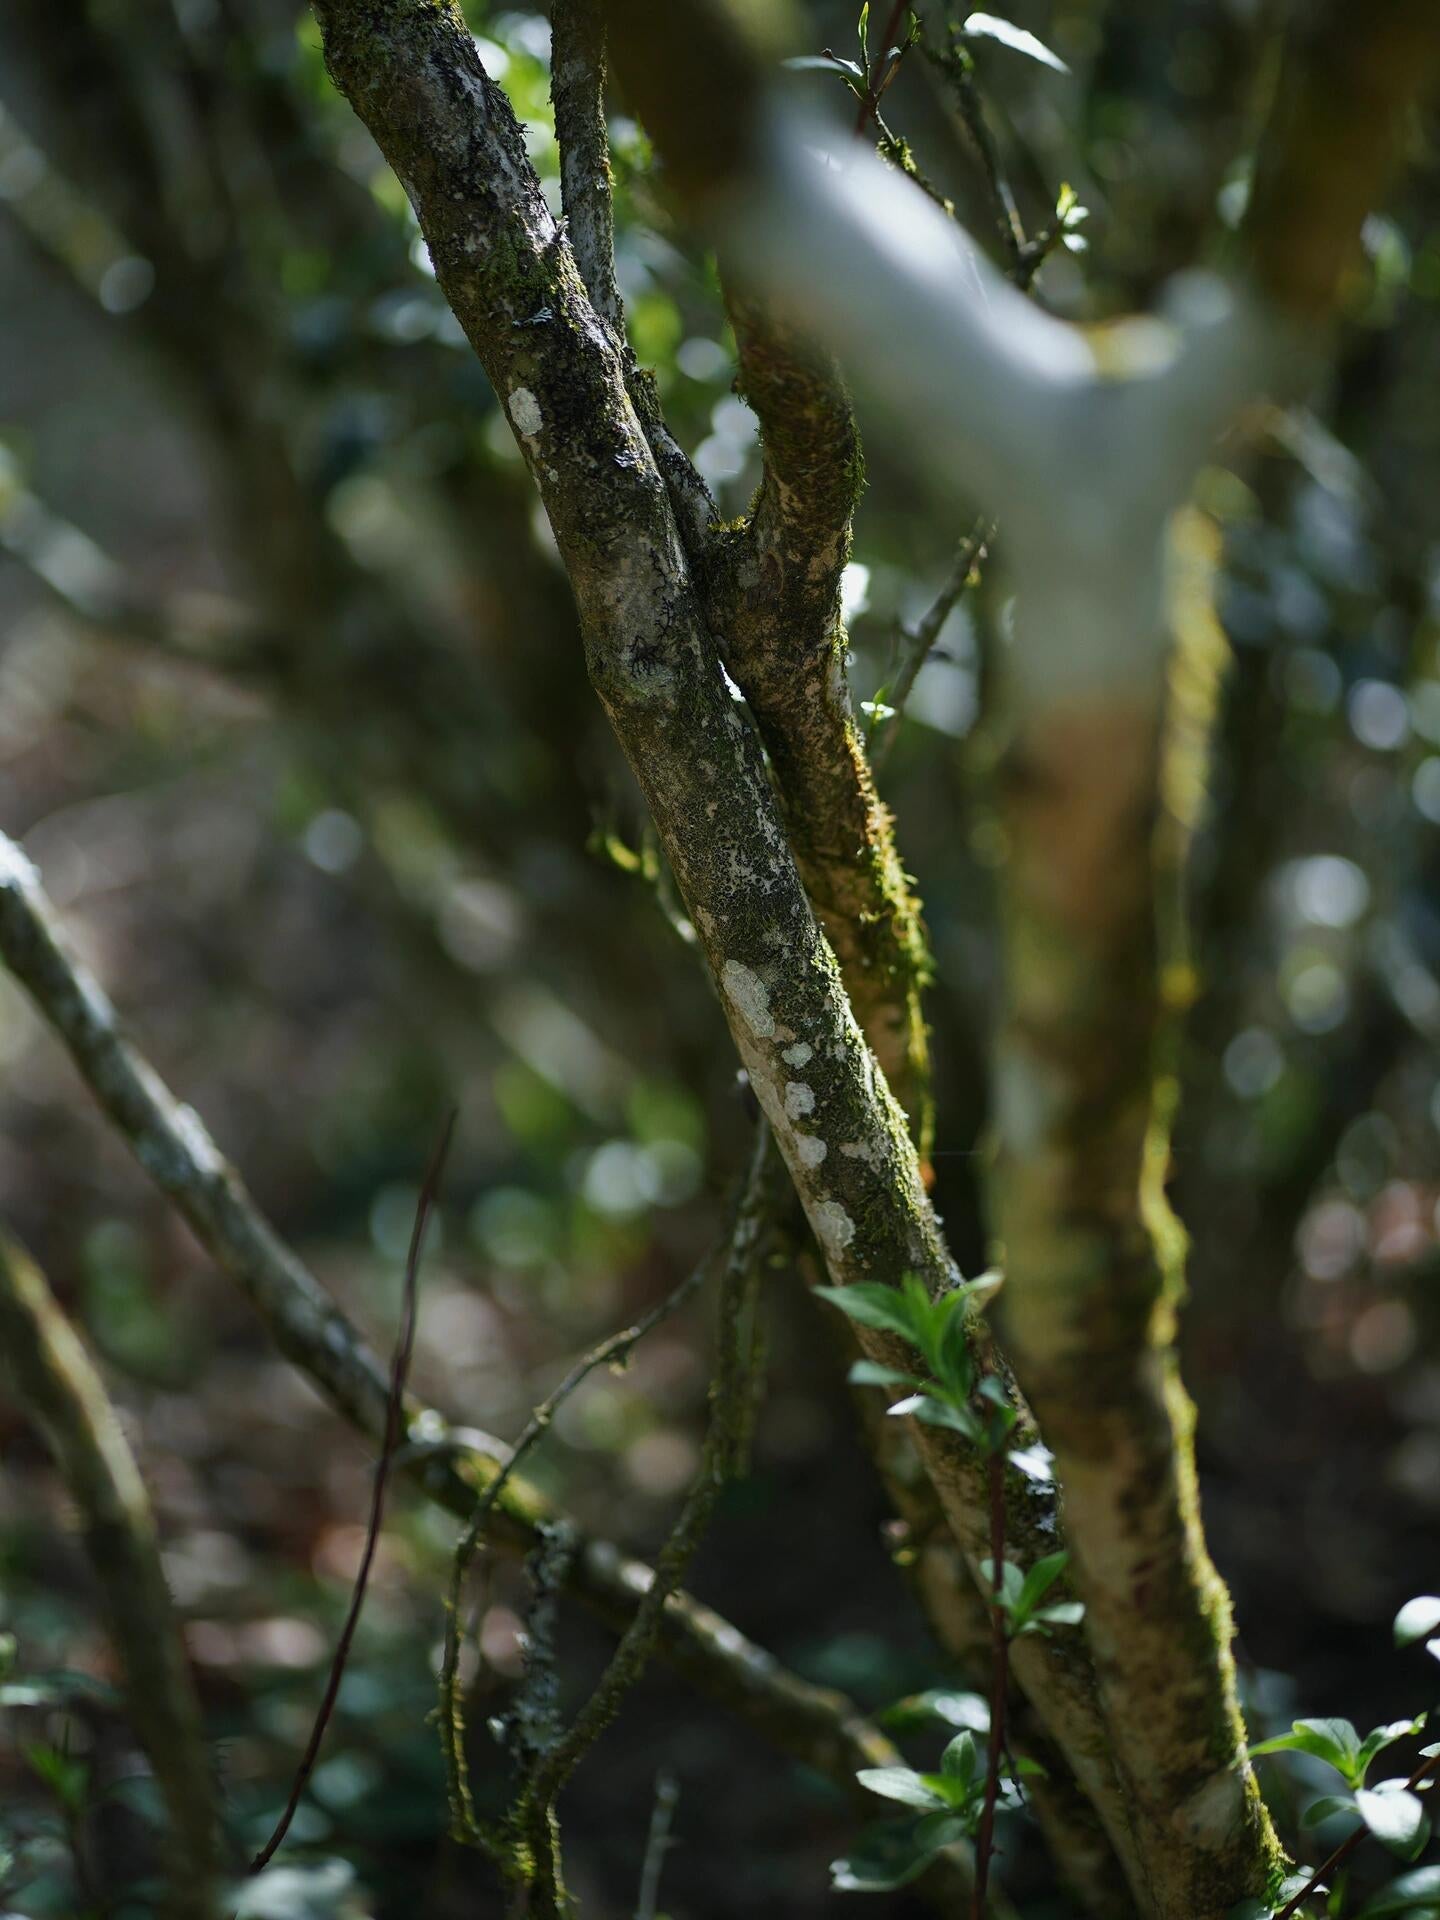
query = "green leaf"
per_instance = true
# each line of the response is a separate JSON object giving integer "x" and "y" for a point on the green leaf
{"x": 1326, "y": 1807}
{"x": 890, "y": 1854}
{"x": 1417, "y": 1619}
{"x": 1333, "y": 1741}
{"x": 1379, "y": 1738}
{"x": 986, "y": 26}
{"x": 1041, "y": 1577}
{"x": 823, "y": 62}
{"x": 1064, "y": 1613}
{"x": 952, "y": 1791}
{"x": 9, "y": 1647}
{"x": 1395, "y": 1817}
{"x": 1418, "y": 1888}
{"x": 66, "y": 1778}
{"x": 956, "y": 1369}
{"x": 873, "y": 1305}
{"x": 936, "y": 1830}
{"x": 949, "y": 1708}
{"x": 869, "y": 1373}
{"x": 938, "y": 1413}
{"x": 958, "y": 1759}
{"x": 900, "y": 1783}
{"x": 863, "y": 29}
{"x": 1012, "y": 1582}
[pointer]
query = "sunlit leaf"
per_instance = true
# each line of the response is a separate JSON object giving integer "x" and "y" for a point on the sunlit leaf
{"x": 987, "y": 26}
{"x": 1397, "y": 1818}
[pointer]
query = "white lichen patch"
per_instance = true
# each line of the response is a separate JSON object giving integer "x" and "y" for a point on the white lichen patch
{"x": 833, "y": 1226}
{"x": 799, "y": 1099}
{"x": 799, "y": 1054}
{"x": 749, "y": 996}
{"x": 809, "y": 1150}
{"x": 859, "y": 1150}
{"x": 525, "y": 412}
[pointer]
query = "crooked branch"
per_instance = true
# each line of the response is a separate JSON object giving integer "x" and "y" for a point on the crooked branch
{"x": 450, "y": 1464}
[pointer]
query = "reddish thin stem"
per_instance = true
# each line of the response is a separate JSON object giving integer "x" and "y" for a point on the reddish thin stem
{"x": 999, "y": 1687}
{"x": 394, "y": 1420}
{"x": 873, "y": 88}
{"x": 1347, "y": 1846}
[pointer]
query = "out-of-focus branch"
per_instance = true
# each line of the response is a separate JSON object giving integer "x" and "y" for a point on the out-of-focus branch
{"x": 1334, "y": 140}
{"x": 453, "y": 1465}
{"x": 59, "y": 1386}
{"x": 204, "y": 628}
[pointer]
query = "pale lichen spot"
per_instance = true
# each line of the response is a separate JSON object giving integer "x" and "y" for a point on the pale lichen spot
{"x": 859, "y": 1150}
{"x": 799, "y": 1099}
{"x": 809, "y": 1151}
{"x": 525, "y": 412}
{"x": 748, "y": 995}
{"x": 833, "y": 1226}
{"x": 797, "y": 1055}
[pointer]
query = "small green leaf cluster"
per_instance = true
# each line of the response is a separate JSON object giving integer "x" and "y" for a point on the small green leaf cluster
{"x": 939, "y": 1329}
{"x": 1390, "y": 1810}
{"x": 946, "y": 1807}
{"x": 1021, "y": 1593}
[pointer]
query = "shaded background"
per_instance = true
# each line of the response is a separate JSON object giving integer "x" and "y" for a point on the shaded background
{"x": 293, "y": 719}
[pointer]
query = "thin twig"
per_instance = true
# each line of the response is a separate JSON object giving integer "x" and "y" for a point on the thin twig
{"x": 175, "y": 1151}
{"x": 999, "y": 1685}
{"x": 534, "y": 1812}
{"x": 927, "y": 630}
{"x": 657, "y": 1845}
{"x": 394, "y": 1425}
{"x": 1425, "y": 1771}
{"x": 612, "y": 1351}
{"x": 878, "y": 78}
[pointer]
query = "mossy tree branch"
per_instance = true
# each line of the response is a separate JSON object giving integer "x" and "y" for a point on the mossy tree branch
{"x": 775, "y": 608}
{"x": 59, "y": 1386}
{"x": 411, "y": 70}
{"x": 453, "y": 1465}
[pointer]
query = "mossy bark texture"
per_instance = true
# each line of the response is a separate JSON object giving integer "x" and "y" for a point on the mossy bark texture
{"x": 411, "y": 70}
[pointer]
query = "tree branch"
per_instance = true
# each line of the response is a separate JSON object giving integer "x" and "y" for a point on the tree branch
{"x": 61, "y": 1389}
{"x": 577, "y": 89}
{"x": 452, "y": 1465}
{"x": 414, "y": 76}
{"x": 775, "y": 608}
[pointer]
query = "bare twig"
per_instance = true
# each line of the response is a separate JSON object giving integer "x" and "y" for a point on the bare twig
{"x": 394, "y": 1424}
{"x": 612, "y": 1351}
{"x": 61, "y": 1389}
{"x": 657, "y": 1844}
{"x": 448, "y": 1463}
{"x": 533, "y": 1818}
{"x": 999, "y": 1685}
{"x": 927, "y": 630}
